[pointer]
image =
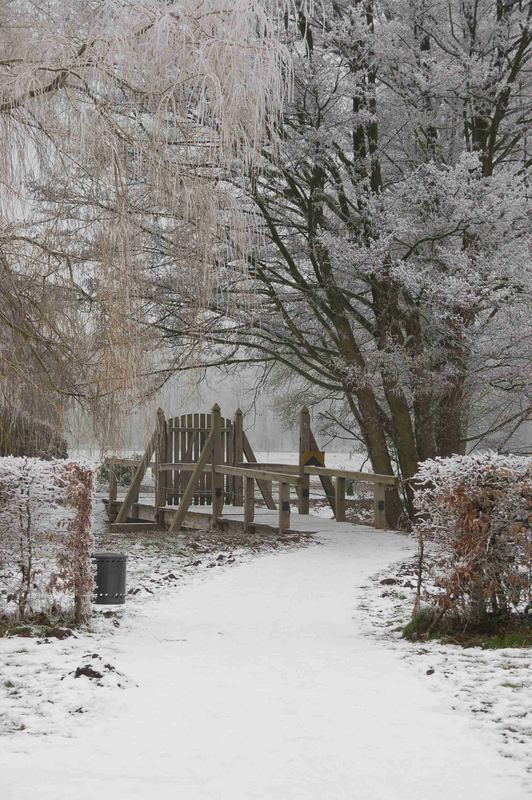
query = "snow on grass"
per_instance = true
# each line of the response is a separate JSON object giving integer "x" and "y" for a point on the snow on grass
{"x": 495, "y": 686}
{"x": 39, "y": 687}
{"x": 41, "y": 683}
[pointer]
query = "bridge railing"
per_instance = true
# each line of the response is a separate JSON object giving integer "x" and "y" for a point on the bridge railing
{"x": 209, "y": 467}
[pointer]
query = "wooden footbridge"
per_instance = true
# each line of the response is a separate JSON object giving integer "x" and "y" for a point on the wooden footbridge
{"x": 205, "y": 460}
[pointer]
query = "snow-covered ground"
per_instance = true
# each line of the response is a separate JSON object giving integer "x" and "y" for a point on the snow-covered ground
{"x": 261, "y": 679}
{"x": 39, "y": 685}
{"x": 495, "y": 685}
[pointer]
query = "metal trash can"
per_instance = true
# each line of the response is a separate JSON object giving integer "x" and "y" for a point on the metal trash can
{"x": 110, "y": 588}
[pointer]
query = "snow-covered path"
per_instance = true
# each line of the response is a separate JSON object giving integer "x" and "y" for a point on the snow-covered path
{"x": 258, "y": 682}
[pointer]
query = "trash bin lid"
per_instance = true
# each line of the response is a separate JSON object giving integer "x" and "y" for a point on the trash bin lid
{"x": 108, "y": 555}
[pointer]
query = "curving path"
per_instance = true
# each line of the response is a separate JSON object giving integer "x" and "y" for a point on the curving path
{"x": 257, "y": 682}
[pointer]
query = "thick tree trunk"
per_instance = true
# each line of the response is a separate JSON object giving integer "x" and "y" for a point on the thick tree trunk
{"x": 369, "y": 418}
{"x": 387, "y": 317}
{"x": 450, "y": 435}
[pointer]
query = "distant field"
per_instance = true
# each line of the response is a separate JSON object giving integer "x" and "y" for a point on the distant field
{"x": 356, "y": 461}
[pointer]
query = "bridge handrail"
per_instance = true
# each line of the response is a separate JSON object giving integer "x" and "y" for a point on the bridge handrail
{"x": 259, "y": 474}
{"x": 352, "y": 475}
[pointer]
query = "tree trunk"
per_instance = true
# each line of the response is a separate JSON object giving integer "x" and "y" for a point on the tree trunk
{"x": 450, "y": 439}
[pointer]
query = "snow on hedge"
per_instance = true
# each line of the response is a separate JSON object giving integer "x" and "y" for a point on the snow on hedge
{"x": 45, "y": 538}
{"x": 478, "y": 511}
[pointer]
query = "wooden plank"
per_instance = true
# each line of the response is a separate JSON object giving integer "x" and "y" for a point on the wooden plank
{"x": 113, "y": 490}
{"x": 340, "y": 499}
{"x": 379, "y": 505}
{"x": 178, "y": 478}
{"x": 217, "y": 460}
{"x": 135, "y": 527}
{"x": 259, "y": 474}
{"x": 208, "y": 475}
{"x": 195, "y": 450}
{"x": 139, "y": 474}
{"x": 196, "y": 428}
{"x": 270, "y": 466}
{"x": 185, "y": 466}
{"x": 128, "y": 462}
{"x": 368, "y": 477}
{"x": 169, "y": 456}
{"x": 183, "y": 477}
{"x": 146, "y": 512}
{"x": 134, "y": 513}
{"x": 198, "y": 520}
{"x": 238, "y": 455}
{"x": 190, "y": 487}
{"x": 188, "y": 451}
{"x": 304, "y": 447}
{"x": 264, "y": 486}
{"x": 249, "y": 502}
{"x": 267, "y": 475}
{"x": 284, "y": 506}
{"x": 229, "y": 460}
{"x": 160, "y": 457}
{"x": 201, "y": 442}
{"x": 175, "y": 457}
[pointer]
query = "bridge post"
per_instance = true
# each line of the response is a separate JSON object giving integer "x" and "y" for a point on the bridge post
{"x": 249, "y": 503}
{"x": 238, "y": 455}
{"x": 379, "y": 505}
{"x": 304, "y": 446}
{"x": 284, "y": 506}
{"x": 217, "y": 459}
{"x": 113, "y": 491}
{"x": 339, "y": 496}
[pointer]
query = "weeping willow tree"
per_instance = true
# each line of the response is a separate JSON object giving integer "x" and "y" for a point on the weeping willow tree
{"x": 118, "y": 119}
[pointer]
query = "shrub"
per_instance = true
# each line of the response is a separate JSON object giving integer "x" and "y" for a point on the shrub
{"x": 45, "y": 539}
{"x": 74, "y": 559}
{"x": 124, "y": 472}
{"x": 477, "y": 511}
{"x": 22, "y": 435}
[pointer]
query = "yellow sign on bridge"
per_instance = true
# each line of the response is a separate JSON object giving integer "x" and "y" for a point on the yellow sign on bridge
{"x": 312, "y": 458}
